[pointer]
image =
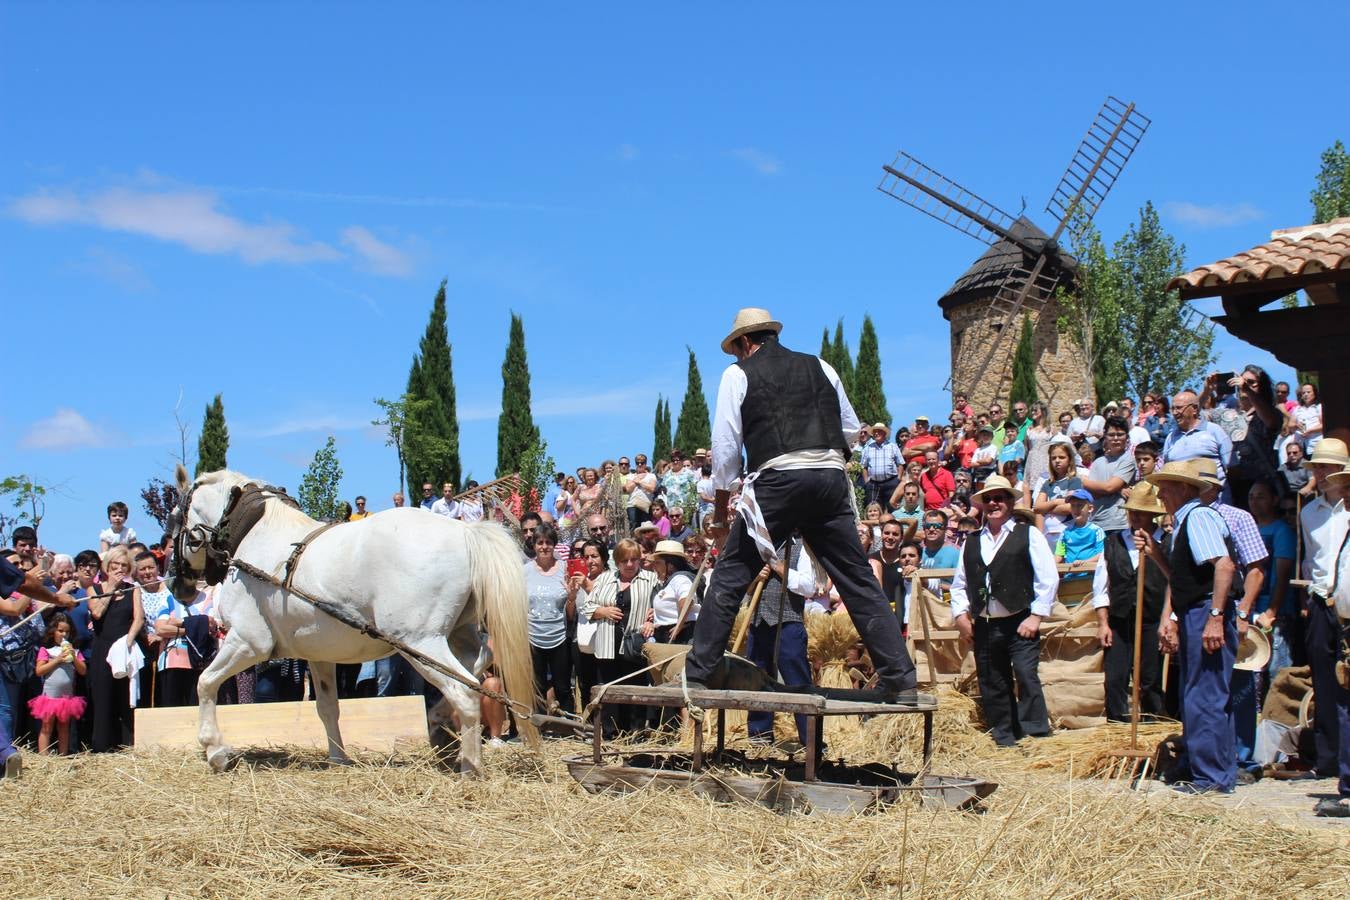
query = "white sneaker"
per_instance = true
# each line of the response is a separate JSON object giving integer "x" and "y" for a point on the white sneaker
{"x": 496, "y": 742}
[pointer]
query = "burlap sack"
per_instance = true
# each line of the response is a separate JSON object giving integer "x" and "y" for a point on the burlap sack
{"x": 1074, "y": 696}
{"x": 1286, "y": 693}
{"x": 668, "y": 659}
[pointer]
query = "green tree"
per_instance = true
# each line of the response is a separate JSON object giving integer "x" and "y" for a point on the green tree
{"x": 1090, "y": 313}
{"x": 826, "y": 348}
{"x": 431, "y": 378}
{"x": 318, "y": 493}
{"x": 1331, "y": 190}
{"x": 867, "y": 394}
{"x": 405, "y": 430}
{"x": 661, "y": 436}
{"x": 842, "y": 359}
{"x": 1165, "y": 344}
{"x": 29, "y": 497}
{"x": 536, "y": 471}
{"x": 694, "y": 430}
{"x": 1024, "y": 367}
{"x": 214, "y": 440}
{"x": 517, "y": 435}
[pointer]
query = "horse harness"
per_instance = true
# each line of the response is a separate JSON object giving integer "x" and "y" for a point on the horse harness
{"x": 243, "y": 511}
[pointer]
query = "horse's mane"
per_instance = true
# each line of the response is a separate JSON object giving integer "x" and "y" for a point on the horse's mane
{"x": 277, "y": 512}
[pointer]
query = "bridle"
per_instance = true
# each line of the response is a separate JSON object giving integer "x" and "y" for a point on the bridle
{"x": 221, "y": 540}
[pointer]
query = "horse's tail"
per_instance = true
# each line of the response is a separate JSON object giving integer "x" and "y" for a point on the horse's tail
{"x": 499, "y": 584}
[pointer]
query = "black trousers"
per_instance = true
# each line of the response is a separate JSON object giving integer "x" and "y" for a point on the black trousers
{"x": 177, "y": 687}
{"x": 1118, "y": 663}
{"x": 113, "y": 722}
{"x": 1323, "y": 632}
{"x": 817, "y": 502}
{"x": 879, "y": 490}
{"x": 553, "y": 668}
{"x": 1000, "y": 655}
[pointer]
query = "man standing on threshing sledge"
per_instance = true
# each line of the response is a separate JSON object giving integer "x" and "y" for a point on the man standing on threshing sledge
{"x": 789, "y": 413}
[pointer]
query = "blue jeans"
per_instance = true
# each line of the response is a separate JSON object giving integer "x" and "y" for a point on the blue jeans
{"x": 395, "y": 677}
{"x": 10, "y": 695}
{"x": 1242, "y": 689}
{"x": 1206, "y": 702}
{"x": 793, "y": 666}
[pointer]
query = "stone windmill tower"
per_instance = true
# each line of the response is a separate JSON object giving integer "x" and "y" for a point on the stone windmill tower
{"x": 1018, "y": 274}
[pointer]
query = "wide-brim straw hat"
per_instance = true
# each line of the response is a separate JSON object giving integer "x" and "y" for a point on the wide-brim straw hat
{"x": 670, "y": 548}
{"x": 1330, "y": 452}
{"x": 647, "y": 526}
{"x": 1025, "y": 514}
{"x": 1144, "y": 499}
{"x": 749, "y": 320}
{"x": 1206, "y": 470}
{"x": 1182, "y": 472}
{"x": 880, "y": 426}
{"x": 1253, "y": 653}
{"x": 994, "y": 484}
{"x": 1341, "y": 477}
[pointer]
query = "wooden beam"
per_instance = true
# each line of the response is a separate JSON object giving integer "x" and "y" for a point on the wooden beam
{"x": 1277, "y": 286}
{"x": 372, "y": 723}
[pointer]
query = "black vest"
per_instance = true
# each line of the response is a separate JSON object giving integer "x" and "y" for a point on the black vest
{"x": 1120, "y": 582}
{"x": 777, "y": 604}
{"x": 1011, "y": 577}
{"x": 1192, "y": 584}
{"x": 789, "y": 405}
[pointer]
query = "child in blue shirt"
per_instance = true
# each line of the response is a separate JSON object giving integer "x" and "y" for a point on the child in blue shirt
{"x": 1082, "y": 541}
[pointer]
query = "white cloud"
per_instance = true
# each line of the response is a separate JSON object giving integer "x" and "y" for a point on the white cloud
{"x": 758, "y": 160}
{"x": 113, "y": 268}
{"x": 188, "y": 216}
{"x": 64, "y": 429}
{"x": 627, "y": 153}
{"x": 326, "y": 424}
{"x": 1216, "y": 215}
{"x": 379, "y": 257}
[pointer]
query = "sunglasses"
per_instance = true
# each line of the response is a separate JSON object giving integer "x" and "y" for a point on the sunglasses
{"x": 938, "y": 525}
{"x": 998, "y": 498}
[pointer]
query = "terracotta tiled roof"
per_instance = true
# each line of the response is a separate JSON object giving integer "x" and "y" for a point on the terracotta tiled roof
{"x": 1289, "y": 252}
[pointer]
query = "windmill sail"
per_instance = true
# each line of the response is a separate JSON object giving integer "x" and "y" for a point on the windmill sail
{"x": 1095, "y": 166}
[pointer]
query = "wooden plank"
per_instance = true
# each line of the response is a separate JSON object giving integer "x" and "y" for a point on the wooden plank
{"x": 373, "y": 723}
{"x": 924, "y": 703}
{"x": 673, "y": 695}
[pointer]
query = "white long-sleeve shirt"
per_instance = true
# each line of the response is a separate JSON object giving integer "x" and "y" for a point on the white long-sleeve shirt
{"x": 1323, "y": 530}
{"x": 1101, "y": 584}
{"x": 1045, "y": 574}
{"x": 728, "y": 441}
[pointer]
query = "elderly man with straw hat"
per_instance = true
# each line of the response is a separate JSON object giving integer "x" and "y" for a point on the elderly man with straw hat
{"x": 1113, "y": 597}
{"x": 1322, "y": 524}
{"x": 881, "y": 462}
{"x": 1006, "y": 583}
{"x": 1200, "y": 572}
{"x": 1340, "y": 597}
{"x": 789, "y": 413}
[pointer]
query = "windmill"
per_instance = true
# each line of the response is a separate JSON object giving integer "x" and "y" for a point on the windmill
{"x": 1019, "y": 273}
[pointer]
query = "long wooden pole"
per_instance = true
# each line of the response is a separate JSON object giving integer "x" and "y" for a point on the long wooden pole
{"x": 1138, "y": 647}
{"x": 917, "y": 598}
{"x": 756, "y": 591}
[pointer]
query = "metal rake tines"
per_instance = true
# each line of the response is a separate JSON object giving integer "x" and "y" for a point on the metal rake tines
{"x": 1097, "y": 163}
{"x": 933, "y": 194}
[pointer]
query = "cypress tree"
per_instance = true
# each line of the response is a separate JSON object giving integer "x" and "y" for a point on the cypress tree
{"x": 867, "y": 394}
{"x": 694, "y": 430}
{"x": 661, "y": 435}
{"x": 432, "y": 378}
{"x": 842, "y": 359}
{"x": 1024, "y": 367}
{"x": 214, "y": 440}
{"x": 517, "y": 435}
{"x": 826, "y": 349}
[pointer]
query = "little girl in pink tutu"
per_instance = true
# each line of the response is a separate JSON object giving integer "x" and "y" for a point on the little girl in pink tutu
{"x": 57, "y": 664}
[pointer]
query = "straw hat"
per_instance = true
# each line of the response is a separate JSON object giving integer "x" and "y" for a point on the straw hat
{"x": 880, "y": 426}
{"x": 1254, "y": 651}
{"x": 749, "y": 320}
{"x": 1331, "y": 452}
{"x": 1144, "y": 498}
{"x": 670, "y": 548}
{"x": 1339, "y": 478}
{"x": 1206, "y": 469}
{"x": 1024, "y": 514}
{"x": 994, "y": 484}
{"x": 647, "y": 526}
{"x": 1183, "y": 472}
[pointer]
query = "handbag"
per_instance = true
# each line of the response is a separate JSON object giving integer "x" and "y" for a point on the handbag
{"x": 586, "y": 636}
{"x": 630, "y": 647}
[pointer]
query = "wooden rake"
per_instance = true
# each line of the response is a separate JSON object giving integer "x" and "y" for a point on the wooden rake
{"x": 1133, "y": 762}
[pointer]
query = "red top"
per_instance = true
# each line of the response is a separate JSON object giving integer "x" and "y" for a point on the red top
{"x": 936, "y": 488}
{"x": 920, "y": 444}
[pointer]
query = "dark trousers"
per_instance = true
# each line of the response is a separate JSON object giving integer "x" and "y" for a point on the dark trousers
{"x": 1322, "y": 632}
{"x": 1343, "y": 707}
{"x": 553, "y": 668}
{"x": 1118, "y": 664}
{"x": 622, "y": 718}
{"x": 1001, "y": 654}
{"x": 110, "y": 697}
{"x": 880, "y": 490}
{"x": 1206, "y": 703}
{"x": 793, "y": 668}
{"x": 587, "y": 670}
{"x": 177, "y": 687}
{"x": 816, "y": 501}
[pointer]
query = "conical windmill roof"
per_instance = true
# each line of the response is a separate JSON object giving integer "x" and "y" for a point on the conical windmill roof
{"x": 989, "y": 271}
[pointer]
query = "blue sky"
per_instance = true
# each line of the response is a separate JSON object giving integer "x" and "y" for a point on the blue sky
{"x": 260, "y": 199}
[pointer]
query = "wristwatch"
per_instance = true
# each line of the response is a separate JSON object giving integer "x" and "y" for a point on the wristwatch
{"x": 1215, "y": 612}
{"x": 1242, "y": 615}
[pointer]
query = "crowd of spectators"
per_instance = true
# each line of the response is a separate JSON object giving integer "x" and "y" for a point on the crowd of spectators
{"x": 612, "y": 556}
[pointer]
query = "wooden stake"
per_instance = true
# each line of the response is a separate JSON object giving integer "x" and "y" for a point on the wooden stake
{"x": 916, "y": 597}
{"x": 756, "y": 590}
{"x": 1138, "y": 642}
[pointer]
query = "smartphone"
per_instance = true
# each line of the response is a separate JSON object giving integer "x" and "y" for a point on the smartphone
{"x": 577, "y": 567}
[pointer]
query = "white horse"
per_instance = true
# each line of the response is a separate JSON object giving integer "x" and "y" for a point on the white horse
{"x": 427, "y": 581}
